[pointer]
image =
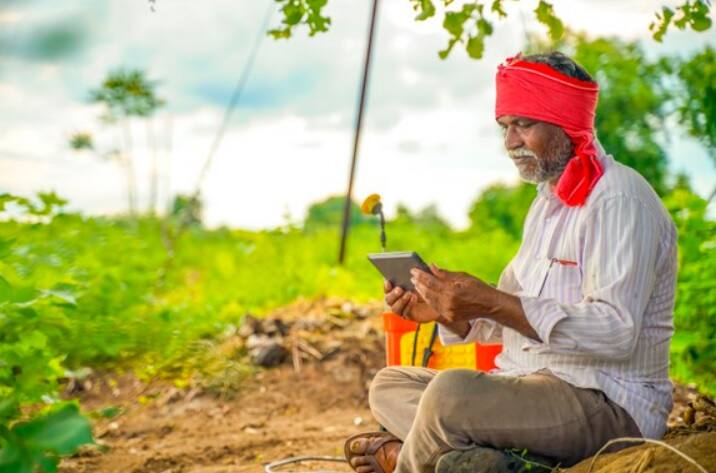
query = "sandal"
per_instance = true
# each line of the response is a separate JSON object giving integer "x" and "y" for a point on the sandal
{"x": 376, "y": 457}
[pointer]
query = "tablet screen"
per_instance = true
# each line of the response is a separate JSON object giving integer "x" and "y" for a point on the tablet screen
{"x": 395, "y": 266}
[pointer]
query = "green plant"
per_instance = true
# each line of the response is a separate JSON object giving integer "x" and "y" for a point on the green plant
{"x": 32, "y": 319}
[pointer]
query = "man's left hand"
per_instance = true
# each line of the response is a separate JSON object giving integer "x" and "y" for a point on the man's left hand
{"x": 455, "y": 296}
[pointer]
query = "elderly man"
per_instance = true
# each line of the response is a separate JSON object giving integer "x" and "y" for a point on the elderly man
{"x": 584, "y": 310}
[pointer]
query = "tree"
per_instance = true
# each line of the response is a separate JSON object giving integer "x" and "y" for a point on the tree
{"x": 696, "y": 98}
{"x": 470, "y": 23}
{"x": 126, "y": 94}
{"x": 502, "y": 207}
{"x": 329, "y": 213}
{"x": 633, "y": 101}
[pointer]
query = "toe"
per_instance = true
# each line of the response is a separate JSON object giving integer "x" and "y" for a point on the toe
{"x": 359, "y": 446}
{"x": 360, "y": 461}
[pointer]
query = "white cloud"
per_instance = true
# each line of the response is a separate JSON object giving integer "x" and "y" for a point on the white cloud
{"x": 429, "y": 132}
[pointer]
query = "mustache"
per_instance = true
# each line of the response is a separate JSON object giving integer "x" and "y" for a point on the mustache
{"x": 521, "y": 153}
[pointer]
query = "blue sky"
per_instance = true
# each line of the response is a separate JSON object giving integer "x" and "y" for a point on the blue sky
{"x": 429, "y": 132}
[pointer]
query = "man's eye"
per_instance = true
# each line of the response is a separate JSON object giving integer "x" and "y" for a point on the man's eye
{"x": 525, "y": 124}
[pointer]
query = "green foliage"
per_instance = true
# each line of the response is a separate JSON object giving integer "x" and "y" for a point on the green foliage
{"x": 33, "y": 316}
{"x": 545, "y": 15}
{"x": 329, "y": 213}
{"x": 633, "y": 102}
{"x": 502, "y": 208}
{"x": 38, "y": 443}
{"x": 81, "y": 141}
{"x": 696, "y": 99}
{"x": 694, "y": 349}
{"x": 127, "y": 93}
{"x": 187, "y": 207}
{"x": 471, "y": 23}
{"x": 427, "y": 218}
{"x": 301, "y": 12}
{"x": 692, "y": 13}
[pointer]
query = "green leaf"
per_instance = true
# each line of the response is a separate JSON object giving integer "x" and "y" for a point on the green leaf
{"x": 64, "y": 292}
{"x": 293, "y": 14}
{"x": 498, "y": 8}
{"x": 476, "y": 46}
{"x": 50, "y": 199}
{"x": 9, "y": 409}
{"x": 5, "y": 245}
{"x": 5, "y": 290}
{"x": 701, "y": 23}
{"x": 445, "y": 52}
{"x": 426, "y": 9}
{"x": 24, "y": 295}
{"x": 6, "y": 199}
{"x": 454, "y": 22}
{"x": 61, "y": 431}
{"x": 545, "y": 15}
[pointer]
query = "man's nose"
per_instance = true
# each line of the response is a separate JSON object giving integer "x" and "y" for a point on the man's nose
{"x": 512, "y": 138}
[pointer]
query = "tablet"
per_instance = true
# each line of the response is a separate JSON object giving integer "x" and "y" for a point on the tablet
{"x": 395, "y": 266}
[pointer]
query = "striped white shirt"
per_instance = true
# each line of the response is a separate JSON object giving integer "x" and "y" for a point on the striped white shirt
{"x": 597, "y": 285}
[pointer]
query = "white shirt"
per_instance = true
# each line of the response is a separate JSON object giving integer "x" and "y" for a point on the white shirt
{"x": 604, "y": 312}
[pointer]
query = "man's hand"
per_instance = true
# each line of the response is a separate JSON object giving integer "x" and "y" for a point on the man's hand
{"x": 457, "y": 296}
{"x": 408, "y": 305}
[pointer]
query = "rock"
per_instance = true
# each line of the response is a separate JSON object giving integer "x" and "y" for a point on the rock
{"x": 269, "y": 355}
{"x": 255, "y": 341}
{"x": 275, "y": 327}
{"x": 250, "y": 326}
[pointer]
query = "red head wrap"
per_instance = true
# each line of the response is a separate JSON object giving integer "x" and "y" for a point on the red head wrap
{"x": 535, "y": 90}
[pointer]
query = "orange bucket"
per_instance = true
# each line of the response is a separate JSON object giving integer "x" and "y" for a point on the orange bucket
{"x": 400, "y": 338}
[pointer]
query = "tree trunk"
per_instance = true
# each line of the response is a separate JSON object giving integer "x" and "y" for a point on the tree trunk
{"x": 129, "y": 167}
{"x": 154, "y": 173}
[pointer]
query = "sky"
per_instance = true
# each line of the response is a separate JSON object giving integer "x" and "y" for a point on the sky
{"x": 429, "y": 133}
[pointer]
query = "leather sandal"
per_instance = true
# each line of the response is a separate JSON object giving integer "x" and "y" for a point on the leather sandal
{"x": 375, "y": 452}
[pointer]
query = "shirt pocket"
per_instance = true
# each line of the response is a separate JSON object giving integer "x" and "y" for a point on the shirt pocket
{"x": 562, "y": 282}
{"x": 533, "y": 276}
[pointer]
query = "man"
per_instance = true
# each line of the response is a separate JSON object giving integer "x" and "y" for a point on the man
{"x": 584, "y": 310}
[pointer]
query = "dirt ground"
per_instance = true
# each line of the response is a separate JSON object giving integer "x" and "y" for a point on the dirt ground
{"x": 307, "y": 405}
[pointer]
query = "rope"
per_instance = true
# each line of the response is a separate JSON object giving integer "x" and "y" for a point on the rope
{"x": 238, "y": 91}
{"x": 655, "y": 442}
{"x": 290, "y": 461}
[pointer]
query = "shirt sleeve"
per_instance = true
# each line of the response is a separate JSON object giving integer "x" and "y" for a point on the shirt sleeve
{"x": 483, "y": 330}
{"x": 621, "y": 243}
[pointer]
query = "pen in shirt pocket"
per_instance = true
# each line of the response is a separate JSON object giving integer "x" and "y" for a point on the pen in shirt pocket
{"x": 564, "y": 262}
{"x": 552, "y": 261}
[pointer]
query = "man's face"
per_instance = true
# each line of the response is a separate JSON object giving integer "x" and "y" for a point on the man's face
{"x": 540, "y": 150}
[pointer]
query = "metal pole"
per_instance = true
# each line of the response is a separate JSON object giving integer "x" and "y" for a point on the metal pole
{"x": 356, "y": 138}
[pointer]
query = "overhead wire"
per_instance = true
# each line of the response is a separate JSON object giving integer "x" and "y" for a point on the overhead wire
{"x": 235, "y": 96}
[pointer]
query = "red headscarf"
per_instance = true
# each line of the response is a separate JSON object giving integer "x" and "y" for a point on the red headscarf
{"x": 535, "y": 90}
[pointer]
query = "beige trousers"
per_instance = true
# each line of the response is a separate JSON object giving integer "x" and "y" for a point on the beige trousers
{"x": 434, "y": 412}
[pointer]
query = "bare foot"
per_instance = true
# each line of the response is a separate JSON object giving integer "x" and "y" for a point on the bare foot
{"x": 386, "y": 456}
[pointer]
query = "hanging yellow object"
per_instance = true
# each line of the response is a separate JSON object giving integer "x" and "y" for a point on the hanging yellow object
{"x": 371, "y": 204}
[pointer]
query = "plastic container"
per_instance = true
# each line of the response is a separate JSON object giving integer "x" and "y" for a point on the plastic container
{"x": 399, "y": 337}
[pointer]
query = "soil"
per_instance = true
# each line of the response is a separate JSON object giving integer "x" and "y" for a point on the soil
{"x": 307, "y": 405}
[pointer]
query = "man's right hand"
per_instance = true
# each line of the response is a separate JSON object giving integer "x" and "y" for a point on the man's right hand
{"x": 409, "y": 305}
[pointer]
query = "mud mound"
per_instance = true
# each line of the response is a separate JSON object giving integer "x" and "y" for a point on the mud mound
{"x": 649, "y": 458}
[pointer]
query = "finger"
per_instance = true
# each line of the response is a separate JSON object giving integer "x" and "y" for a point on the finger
{"x": 399, "y": 306}
{"x": 394, "y": 295}
{"x": 387, "y": 286}
{"x": 423, "y": 292}
{"x": 438, "y": 272}
{"x": 408, "y": 311}
{"x": 426, "y": 279}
